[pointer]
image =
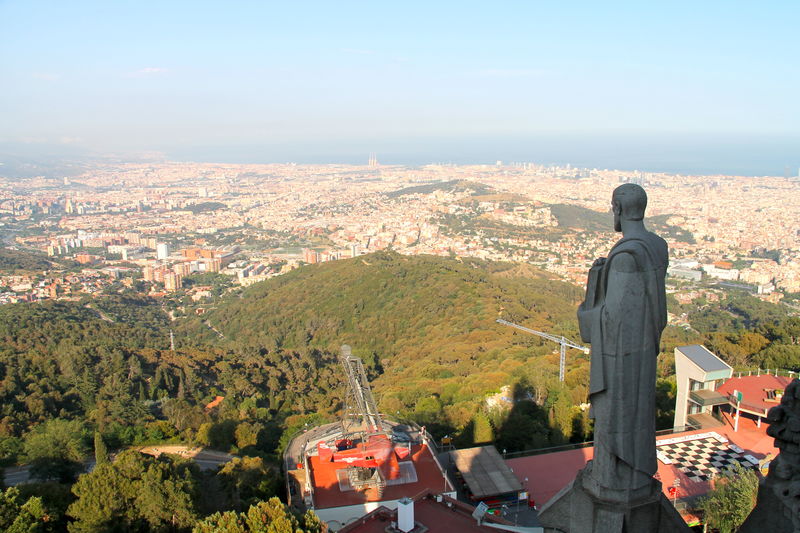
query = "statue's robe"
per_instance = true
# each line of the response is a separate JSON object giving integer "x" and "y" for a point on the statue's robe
{"x": 623, "y": 318}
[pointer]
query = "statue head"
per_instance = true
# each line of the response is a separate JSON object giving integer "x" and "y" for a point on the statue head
{"x": 628, "y": 202}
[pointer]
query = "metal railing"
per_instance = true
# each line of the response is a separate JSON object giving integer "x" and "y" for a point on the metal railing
{"x": 747, "y": 406}
{"x": 778, "y": 372}
{"x": 586, "y": 444}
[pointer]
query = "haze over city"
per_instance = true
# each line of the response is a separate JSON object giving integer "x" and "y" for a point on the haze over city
{"x": 685, "y": 87}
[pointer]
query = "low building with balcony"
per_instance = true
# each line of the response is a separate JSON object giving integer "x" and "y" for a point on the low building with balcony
{"x": 699, "y": 374}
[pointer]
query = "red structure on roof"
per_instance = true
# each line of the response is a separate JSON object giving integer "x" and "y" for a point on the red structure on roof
{"x": 377, "y": 451}
{"x": 346, "y": 470}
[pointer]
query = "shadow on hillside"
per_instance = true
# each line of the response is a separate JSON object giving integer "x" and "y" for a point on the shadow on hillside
{"x": 526, "y": 425}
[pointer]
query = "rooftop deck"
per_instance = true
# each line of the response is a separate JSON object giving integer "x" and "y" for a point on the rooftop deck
{"x": 704, "y": 421}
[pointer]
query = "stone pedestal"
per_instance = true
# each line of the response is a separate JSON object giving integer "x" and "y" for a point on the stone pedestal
{"x": 581, "y": 508}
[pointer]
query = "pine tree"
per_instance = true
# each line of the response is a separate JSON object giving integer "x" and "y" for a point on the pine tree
{"x": 100, "y": 450}
{"x": 484, "y": 433}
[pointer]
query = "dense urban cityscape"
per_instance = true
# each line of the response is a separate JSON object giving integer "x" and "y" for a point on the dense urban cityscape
{"x": 161, "y": 222}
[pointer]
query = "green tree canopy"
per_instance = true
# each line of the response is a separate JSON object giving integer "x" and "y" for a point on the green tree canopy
{"x": 270, "y": 516}
{"x": 247, "y": 480}
{"x": 727, "y": 505}
{"x": 136, "y": 493}
{"x": 100, "y": 449}
{"x": 57, "y": 449}
{"x": 22, "y": 516}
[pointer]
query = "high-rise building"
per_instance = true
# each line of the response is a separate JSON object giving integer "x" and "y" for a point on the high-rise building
{"x": 214, "y": 265}
{"x": 172, "y": 281}
{"x": 182, "y": 269}
{"x": 162, "y": 250}
{"x": 310, "y": 256}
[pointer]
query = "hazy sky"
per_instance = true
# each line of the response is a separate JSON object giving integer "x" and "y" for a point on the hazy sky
{"x": 293, "y": 79}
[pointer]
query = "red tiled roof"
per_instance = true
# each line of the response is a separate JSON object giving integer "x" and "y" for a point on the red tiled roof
{"x": 549, "y": 473}
{"x": 752, "y": 388}
{"x": 437, "y": 517}
{"x": 326, "y": 484}
{"x": 215, "y": 402}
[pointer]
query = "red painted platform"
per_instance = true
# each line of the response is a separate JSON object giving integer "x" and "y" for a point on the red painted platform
{"x": 328, "y": 494}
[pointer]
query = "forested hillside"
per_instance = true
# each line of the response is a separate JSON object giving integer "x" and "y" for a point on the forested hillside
{"x": 15, "y": 261}
{"x": 100, "y": 372}
{"x": 424, "y": 326}
{"x": 747, "y": 332}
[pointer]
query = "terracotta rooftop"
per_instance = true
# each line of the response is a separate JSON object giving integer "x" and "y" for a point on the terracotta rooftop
{"x": 328, "y": 494}
{"x": 448, "y": 516}
{"x": 549, "y": 473}
{"x": 753, "y": 388}
{"x": 215, "y": 402}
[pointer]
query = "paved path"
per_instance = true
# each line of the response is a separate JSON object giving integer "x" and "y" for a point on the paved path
{"x": 15, "y": 475}
{"x": 206, "y": 459}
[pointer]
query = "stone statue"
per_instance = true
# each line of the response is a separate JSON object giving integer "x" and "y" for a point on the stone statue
{"x": 623, "y": 316}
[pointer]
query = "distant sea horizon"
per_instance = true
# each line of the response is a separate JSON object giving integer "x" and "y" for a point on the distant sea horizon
{"x": 754, "y": 156}
{"x": 692, "y": 169}
{"x": 687, "y": 155}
